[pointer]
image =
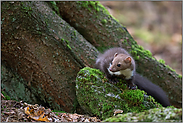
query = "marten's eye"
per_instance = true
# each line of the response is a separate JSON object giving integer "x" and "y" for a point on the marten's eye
{"x": 118, "y": 65}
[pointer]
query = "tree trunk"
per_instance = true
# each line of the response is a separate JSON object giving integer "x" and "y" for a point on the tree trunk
{"x": 45, "y": 51}
{"x": 93, "y": 21}
{"x": 103, "y": 31}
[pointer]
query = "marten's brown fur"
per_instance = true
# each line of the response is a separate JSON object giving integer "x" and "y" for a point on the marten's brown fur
{"x": 151, "y": 89}
{"x": 117, "y": 63}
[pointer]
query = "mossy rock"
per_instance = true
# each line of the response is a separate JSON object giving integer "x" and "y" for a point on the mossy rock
{"x": 100, "y": 98}
{"x": 169, "y": 114}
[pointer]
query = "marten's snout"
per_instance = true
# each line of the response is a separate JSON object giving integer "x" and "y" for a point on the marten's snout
{"x": 110, "y": 69}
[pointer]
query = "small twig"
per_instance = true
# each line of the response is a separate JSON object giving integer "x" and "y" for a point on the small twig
{"x": 8, "y": 118}
{"x": 2, "y": 96}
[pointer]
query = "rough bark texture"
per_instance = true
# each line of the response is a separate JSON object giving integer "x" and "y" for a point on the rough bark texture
{"x": 16, "y": 87}
{"x": 93, "y": 22}
{"x": 101, "y": 30}
{"x": 47, "y": 53}
{"x": 44, "y": 50}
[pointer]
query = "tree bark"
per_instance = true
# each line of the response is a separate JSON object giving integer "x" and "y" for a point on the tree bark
{"x": 45, "y": 51}
{"x": 92, "y": 20}
{"x": 103, "y": 31}
{"x": 14, "y": 86}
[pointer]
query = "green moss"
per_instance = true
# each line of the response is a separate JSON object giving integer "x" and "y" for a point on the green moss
{"x": 134, "y": 53}
{"x": 85, "y": 4}
{"x": 5, "y": 95}
{"x": 137, "y": 57}
{"x": 162, "y": 61}
{"x": 138, "y": 51}
{"x": 90, "y": 84}
{"x": 26, "y": 9}
{"x": 75, "y": 33}
{"x": 170, "y": 68}
{"x": 140, "y": 47}
{"x": 97, "y": 6}
{"x": 67, "y": 43}
{"x": 131, "y": 40}
{"x": 148, "y": 52}
{"x": 169, "y": 114}
{"x": 98, "y": 97}
{"x": 53, "y": 12}
{"x": 180, "y": 76}
{"x": 153, "y": 58}
{"x": 104, "y": 21}
{"x": 54, "y": 5}
{"x": 133, "y": 97}
{"x": 121, "y": 30}
{"x": 122, "y": 84}
{"x": 62, "y": 39}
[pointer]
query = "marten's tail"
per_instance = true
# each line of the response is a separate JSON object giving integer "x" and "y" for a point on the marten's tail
{"x": 152, "y": 90}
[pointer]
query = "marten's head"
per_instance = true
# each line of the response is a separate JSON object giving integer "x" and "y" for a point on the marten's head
{"x": 121, "y": 62}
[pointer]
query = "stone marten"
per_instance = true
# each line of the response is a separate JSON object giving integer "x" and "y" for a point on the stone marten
{"x": 117, "y": 63}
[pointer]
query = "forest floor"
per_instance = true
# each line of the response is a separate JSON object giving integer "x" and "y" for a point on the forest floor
{"x": 13, "y": 111}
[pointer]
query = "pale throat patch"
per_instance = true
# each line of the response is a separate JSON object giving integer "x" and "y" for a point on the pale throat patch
{"x": 128, "y": 73}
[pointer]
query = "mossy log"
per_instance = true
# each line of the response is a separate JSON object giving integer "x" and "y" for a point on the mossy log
{"x": 96, "y": 25}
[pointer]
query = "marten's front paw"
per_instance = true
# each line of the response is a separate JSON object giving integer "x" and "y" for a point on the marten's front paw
{"x": 132, "y": 86}
{"x": 113, "y": 80}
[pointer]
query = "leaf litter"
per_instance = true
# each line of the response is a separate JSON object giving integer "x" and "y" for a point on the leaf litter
{"x": 13, "y": 111}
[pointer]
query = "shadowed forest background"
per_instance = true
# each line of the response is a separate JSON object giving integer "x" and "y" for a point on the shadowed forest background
{"x": 157, "y": 26}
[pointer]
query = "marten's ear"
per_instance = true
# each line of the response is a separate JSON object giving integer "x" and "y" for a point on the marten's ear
{"x": 128, "y": 60}
{"x": 115, "y": 54}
